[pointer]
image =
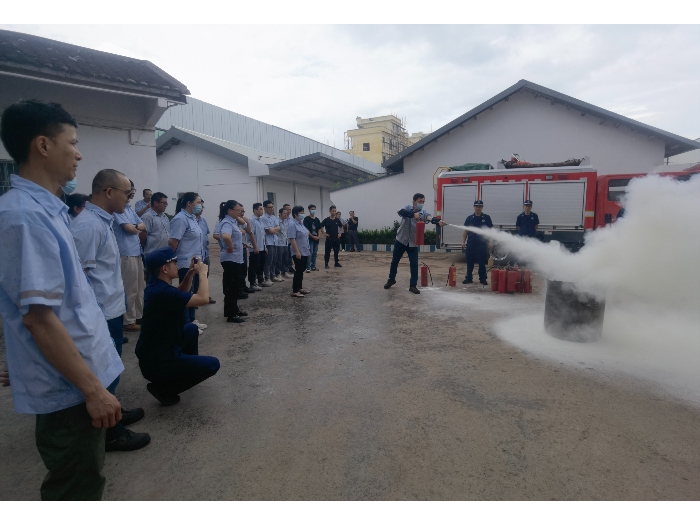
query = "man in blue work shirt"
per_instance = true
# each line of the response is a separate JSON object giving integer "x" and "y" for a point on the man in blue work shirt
{"x": 406, "y": 240}
{"x": 59, "y": 353}
{"x": 477, "y": 246}
{"x": 127, "y": 226}
{"x": 99, "y": 257}
{"x": 168, "y": 348}
{"x": 144, "y": 204}
{"x": 272, "y": 227}
{"x": 527, "y": 222}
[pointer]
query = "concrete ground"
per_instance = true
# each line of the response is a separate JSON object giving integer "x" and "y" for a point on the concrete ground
{"x": 359, "y": 393}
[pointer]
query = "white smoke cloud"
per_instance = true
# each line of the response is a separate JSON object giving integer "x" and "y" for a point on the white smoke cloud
{"x": 645, "y": 267}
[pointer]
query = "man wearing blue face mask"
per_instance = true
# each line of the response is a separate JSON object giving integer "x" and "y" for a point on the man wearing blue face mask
{"x": 406, "y": 240}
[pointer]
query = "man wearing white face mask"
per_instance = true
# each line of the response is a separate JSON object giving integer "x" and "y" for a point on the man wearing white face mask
{"x": 406, "y": 240}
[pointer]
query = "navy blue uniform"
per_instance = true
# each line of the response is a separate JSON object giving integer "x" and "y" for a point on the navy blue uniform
{"x": 477, "y": 246}
{"x": 526, "y": 224}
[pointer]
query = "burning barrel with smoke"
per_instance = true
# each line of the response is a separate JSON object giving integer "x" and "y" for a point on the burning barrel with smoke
{"x": 572, "y": 315}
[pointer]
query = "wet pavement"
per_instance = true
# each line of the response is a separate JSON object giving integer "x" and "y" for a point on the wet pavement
{"x": 356, "y": 392}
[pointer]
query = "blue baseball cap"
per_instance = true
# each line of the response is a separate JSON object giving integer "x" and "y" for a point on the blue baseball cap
{"x": 527, "y": 203}
{"x": 478, "y": 203}
{"x": 157, "y": 258}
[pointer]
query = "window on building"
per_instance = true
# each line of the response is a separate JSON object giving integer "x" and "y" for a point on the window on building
{"x": 7, "y": 168}
{"x": 365, "y": 146}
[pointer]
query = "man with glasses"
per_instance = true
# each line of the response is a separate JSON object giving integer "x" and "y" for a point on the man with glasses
{"x": 97, "y": 247}
{"x": 127, "y": 226}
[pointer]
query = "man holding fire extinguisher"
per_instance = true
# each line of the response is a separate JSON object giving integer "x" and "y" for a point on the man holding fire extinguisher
{"x": 477, "y": 246}
{"x": 406, "y": 240}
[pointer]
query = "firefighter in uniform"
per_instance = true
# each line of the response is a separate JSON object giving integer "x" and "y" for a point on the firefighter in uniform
{"x": 477, "y": 246}
{"x": 527, "y": 222}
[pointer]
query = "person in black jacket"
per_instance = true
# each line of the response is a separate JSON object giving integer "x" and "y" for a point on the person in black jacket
{"x": 332, "y": 227}
{"x": 352, "y": 232}
{"x": 313, "y": 224}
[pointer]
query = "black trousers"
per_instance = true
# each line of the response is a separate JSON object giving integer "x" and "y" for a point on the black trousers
{"x": 244, "y": 273}
{"x": 479, "y": 255}
{"x": 232, "y": 286}
{"x": 255, "y": 270}
{"x": 299, "y": 269}
{"x": 331, "y": 244}
{"x": 73, "y": 452}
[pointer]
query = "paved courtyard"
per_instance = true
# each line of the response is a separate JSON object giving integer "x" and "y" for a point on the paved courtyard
{"x": 356, "y": 392}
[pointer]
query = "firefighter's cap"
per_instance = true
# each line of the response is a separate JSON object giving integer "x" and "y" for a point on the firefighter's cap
{"x": 527, "y": 203}
{"x": 478, "y": 203}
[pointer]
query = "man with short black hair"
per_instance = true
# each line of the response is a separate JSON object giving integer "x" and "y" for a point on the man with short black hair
{"x": 527, "y": 221}
{"x": 59, "y": 353}
{"x": 157, "y": 223}
{"x": 406, "y": 240}
{"x": 332, "y": 226}
{"x": 313, "y": 224}
{"x": 352, "y": 232}
{"x": 256, "y": 266}
{"x": 272, "y": 226}
{"x": 167, "y": 348}
{"x": 144, "y": 204}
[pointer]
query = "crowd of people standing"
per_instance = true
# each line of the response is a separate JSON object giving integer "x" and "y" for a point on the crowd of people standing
{"x": 65, "y": 324}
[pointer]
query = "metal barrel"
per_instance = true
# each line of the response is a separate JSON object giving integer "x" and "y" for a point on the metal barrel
{"x": 571, "y": 315}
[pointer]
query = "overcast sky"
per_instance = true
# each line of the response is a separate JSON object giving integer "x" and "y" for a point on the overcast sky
{"x": 314, "y": 80}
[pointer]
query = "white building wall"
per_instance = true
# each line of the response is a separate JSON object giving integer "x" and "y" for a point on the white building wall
{"x": 187, "y": 168}
{"x": 284, "y": 192}
{"x": 532, "y": 127}
{"x": 110, "y": 148}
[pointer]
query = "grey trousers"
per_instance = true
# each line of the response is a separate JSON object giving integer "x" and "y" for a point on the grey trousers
{"x": 271, "y": 262}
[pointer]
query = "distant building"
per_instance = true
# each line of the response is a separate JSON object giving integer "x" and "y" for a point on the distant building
{"x": 539, "y": 124}
{"x": 415, "y": 137}
{"x": 116, "y": 101}
{"x": 689, "y": 157}
{"x": 377, "y": 138}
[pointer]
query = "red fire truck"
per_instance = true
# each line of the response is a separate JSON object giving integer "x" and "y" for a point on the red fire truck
{"x": 568, "y": 200}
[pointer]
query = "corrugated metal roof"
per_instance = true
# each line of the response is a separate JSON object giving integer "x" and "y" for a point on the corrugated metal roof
{"x": 233, "y": 127}
{"x": 675, "y": 144}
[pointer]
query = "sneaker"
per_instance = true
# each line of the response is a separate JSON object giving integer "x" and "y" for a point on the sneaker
{"x": 298, "y": 295}
{"x": 235, "y": 319}
{"x": 241, "y": 313}
{"x": 200, "y": 331}
{"x": 284, "y": 275}
{"x": 314, "y": 269}
{"x": 266, "y": 283}
{"x": 277, "y": 279}
{"x": 308, "y": 270}
{"x": 255, "y": 287}
{"x": 250, "y": 289}
{"x": 389, "y": 284}
{"x": 338, "y": 265}
{"x": 304, "y": 292}
{"x": 133, "y": 327}
{"x": 165, "y": 398}
{"x": 131, "y": 416}
{"x": 413, "y": 289}
{"x": 124, "y": 440}
{"x": 485, "y": 283}
{"x": 326, "y": 267}
{"x": 199, "y": 325}
{"x": 467, "y": 281}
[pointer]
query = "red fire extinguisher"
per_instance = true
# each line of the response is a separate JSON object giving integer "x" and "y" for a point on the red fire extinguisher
{"x": 452, "y": 276}
{"x": 424, "y": 276}
{"x": 495, "y": 276}
{"x": 420, "y": 233}
{"x": 511, "y": 279}
{"x": 519, "y": 281}
{"x": 502, "y": 278}
{"x": 527, "y": 285}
